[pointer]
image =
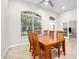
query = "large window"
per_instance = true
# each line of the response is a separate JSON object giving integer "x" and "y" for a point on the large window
{"x": 30, "y": 21}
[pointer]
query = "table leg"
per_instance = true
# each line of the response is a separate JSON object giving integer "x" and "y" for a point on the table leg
{"x": 50, "y": 55}
{"x": 64, "y": 47}
{"x": 46, "y": 53}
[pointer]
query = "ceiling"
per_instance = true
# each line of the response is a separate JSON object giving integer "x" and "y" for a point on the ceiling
{"x": 58, "y": 4}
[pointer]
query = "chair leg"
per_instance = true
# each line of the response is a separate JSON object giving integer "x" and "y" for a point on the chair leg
{"x": 30, "y": 48}
{"x": 34, "y": 57}
{"x": 39, "y": 55}
{"x": 50, "y": 54}
{"x": 58, "y": 52}
{"x": 33, "y": 54}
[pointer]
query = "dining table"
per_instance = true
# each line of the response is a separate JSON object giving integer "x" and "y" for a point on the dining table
{"x": 46, "y": 42}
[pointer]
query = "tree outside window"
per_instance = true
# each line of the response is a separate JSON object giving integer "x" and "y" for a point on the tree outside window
{"x": 30, "y": 21}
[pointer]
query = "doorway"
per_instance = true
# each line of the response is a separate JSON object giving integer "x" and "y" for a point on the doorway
{"x": 72, "y": 29}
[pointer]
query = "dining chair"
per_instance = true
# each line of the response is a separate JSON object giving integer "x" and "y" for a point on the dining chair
{"x": 51, "y": 34}
{"x": 45, "y": 32}
{"x": 37, "y": 49}
{"x": 39, "y": 32}
{"x": 30, "y": 40}
{"x": 60, "y": 35}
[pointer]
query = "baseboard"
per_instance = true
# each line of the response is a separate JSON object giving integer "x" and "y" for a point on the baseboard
{"x": 2, "y": 57}
{"x": 11, "y": 46}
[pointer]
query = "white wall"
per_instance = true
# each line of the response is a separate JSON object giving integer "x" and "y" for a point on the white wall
{"x": 15, "y": 8}
{"x": 66, "y": 17}
{"x": 4, "y": 26}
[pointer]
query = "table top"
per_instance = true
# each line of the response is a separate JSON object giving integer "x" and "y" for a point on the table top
{"x": 47, "y": 41}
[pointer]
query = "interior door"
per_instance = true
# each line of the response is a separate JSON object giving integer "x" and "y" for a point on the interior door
{"x": 73, "y": 26}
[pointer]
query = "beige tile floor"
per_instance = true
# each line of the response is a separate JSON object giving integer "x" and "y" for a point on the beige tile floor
{"x": 22, "y": 52}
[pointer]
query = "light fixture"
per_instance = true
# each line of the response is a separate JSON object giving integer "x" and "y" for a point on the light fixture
{"x": 62, "y": 7}
{"x": 46, "y": 3}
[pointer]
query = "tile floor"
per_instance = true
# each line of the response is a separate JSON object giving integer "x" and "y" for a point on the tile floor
{"x": 22, "y": 52}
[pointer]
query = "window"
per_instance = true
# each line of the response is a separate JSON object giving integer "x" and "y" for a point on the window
{"x": 30, "y": 21}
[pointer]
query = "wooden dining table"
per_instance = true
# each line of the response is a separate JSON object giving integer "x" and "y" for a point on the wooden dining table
{"x": 46, "y": 42}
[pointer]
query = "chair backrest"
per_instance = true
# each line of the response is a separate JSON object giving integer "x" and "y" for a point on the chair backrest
{"x": 39, "y": 32}
{"x": 45, "y": 32}
{"x": 60, "y": 34}
{"x": 36, "y": 42}
{"x": 30, "y": 37}
{"x": 51, "y": 34}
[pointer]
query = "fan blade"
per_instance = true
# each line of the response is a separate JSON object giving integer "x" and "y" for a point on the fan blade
{"x": 41, "y": 2}
{"x": 51, "y": 3}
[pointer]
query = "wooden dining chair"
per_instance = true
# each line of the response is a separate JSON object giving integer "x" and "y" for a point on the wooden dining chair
{"x": 51, "y": 34}
{"x": 39, "y": 32}
{"x": 30, "y": 40}
{"x": 36, "y": 46}
{"x": 45, "y": 32}
{"x": 37, "y": 49}
{"x": 60, "y": 35}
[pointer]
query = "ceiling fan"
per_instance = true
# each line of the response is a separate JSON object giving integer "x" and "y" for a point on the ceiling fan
{"x": 47, "y": 2}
